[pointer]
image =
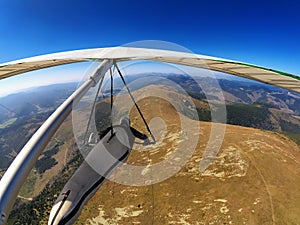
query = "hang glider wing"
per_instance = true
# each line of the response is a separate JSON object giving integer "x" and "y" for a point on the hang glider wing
{"x": 21, "y": 166}
{"x": 119, "y": 54}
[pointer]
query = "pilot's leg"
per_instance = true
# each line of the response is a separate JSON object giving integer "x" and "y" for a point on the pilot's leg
{"x": 107, "y": 155}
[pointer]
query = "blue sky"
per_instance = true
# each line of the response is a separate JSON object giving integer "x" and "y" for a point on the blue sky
{"x": 265, "y": 33}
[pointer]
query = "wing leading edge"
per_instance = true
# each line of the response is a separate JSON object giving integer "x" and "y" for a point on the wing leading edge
{"x": 118, "y": 54}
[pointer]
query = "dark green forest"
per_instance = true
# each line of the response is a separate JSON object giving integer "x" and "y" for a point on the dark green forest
{"x": 37, "y": 211}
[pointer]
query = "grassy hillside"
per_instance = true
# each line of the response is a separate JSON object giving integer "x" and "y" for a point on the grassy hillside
{"x": 254, "y": 180}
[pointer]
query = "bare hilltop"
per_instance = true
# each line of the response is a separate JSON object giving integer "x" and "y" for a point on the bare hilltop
{"x": 254, "y": 179}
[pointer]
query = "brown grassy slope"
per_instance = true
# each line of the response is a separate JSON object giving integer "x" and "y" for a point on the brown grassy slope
{"x": 255, "y": 179}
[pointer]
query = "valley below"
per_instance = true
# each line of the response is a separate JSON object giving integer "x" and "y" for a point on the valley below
{"x": 254, "y": 178}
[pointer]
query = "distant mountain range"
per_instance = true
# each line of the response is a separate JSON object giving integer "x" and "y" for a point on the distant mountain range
{"x": 242, "y": 90}
{"x": 248, "y": 103}
{"x": 34, "y": 100}
{"x": 21, "y": 114}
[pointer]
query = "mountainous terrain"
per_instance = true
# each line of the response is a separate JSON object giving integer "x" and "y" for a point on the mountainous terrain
{"x": 21, "y": 114}
{"x": 254, "y": 179}
{"x": 248, "y": 103}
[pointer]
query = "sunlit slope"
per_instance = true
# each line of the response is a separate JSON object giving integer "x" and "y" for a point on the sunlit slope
{"x": 255, "y": 178}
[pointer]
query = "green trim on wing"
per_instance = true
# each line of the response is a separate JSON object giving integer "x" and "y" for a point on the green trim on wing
{"x": 260, "y": 67}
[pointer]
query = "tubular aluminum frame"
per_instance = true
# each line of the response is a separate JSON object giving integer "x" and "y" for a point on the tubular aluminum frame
{"x": 17, "y": 172}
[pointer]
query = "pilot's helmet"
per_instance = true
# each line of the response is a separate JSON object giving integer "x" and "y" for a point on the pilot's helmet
{"x": 125, "y": 121}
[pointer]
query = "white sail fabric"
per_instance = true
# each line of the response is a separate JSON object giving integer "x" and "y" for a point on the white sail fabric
{"x": 265, "y": 75}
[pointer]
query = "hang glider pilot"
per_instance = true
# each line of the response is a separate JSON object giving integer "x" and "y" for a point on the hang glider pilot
{"x": 113, "y": 148}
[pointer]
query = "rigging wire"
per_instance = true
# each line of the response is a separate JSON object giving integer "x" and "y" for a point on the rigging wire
{"x": 93, "y": 108}
{"x": 111, "y": 101}
{"x": 136, "y": 105}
